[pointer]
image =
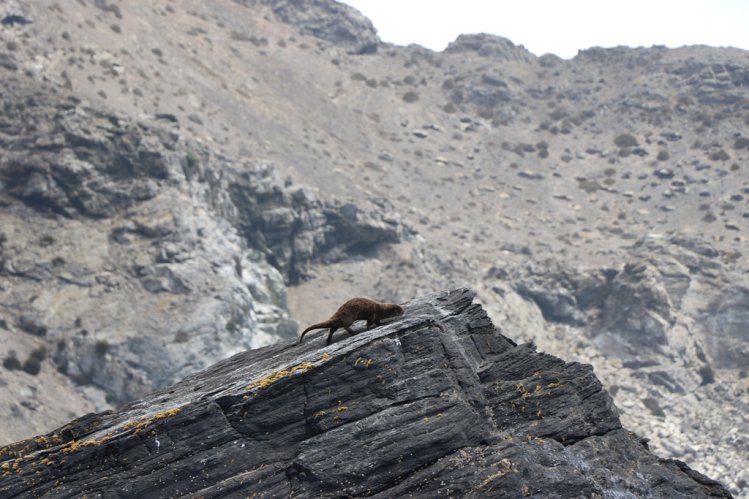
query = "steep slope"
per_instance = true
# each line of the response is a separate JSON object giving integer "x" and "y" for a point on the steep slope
{"x": 433, "y": 403}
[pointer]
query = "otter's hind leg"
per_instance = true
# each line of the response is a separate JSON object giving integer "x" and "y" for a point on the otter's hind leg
{"x": 330, "y": 334}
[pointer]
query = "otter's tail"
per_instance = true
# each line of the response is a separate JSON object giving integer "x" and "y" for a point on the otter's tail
{"x": 321, "y": 325}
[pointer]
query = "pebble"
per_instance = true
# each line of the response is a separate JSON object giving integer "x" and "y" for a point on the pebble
{"x": 531, "y": 175}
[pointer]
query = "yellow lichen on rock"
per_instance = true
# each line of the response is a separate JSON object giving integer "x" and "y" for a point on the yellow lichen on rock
{"x": 366, "y": 362}
{"x": 268, "y": 380}
{"x": 76, "y": 445}
{"x": 138, "y": 425}
{"x": 522, "y": 391}
{"x": 167, "y": 414}
{"x": 144, "y": 423}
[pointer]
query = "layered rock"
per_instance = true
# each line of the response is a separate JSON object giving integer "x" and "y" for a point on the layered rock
{"x": 436, "y": 402}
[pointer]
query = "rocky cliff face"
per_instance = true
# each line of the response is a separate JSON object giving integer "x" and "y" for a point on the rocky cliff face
{"x": 436, "y": 402}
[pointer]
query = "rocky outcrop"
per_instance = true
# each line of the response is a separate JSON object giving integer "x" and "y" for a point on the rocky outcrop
{"x": 326, "y": 19}
{"x": 435, "y": 402}
{"x": 491, "y": 91}
{"x": 14, "y": 13}
{"x": 290, "y": 226}
{"x": 725, "y": 322}
{"x": 635, "y": 310}
{"x": 491, "y": 46}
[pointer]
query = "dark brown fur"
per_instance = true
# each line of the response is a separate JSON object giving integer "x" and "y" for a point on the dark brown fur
{"x": 356, "y": 309}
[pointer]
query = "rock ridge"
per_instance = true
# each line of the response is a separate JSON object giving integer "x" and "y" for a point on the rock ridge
{"x": 436, "y": 402}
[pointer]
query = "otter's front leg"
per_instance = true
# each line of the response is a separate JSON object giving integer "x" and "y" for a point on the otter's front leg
{"x": 372, "y": 320}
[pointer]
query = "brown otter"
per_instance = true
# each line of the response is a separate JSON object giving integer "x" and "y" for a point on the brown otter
{"x": 356, "y": 309}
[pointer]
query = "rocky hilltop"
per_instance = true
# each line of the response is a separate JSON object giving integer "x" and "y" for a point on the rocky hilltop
{"x": 483, "y": 417}
{"x": 180, "y": 181}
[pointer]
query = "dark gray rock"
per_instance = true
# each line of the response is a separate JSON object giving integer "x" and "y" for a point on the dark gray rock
{"x": 726, "y": 321}
{"x": 7, "y": 61}
{"x": 15, "y": 13}
{"x": 638, "y": 307}
{"x": 563, "y": 295}
{"x": 664, "y": 173}
{"x": 88, "y": 162}
{"x": 292, "y": 228}
{"x": 433, "y": 403}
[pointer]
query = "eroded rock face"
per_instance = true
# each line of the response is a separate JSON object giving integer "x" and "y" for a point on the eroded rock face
{"x": 635, "y": 310}
{"x": 291, "y": 227}
{"x": 435, "y": 402}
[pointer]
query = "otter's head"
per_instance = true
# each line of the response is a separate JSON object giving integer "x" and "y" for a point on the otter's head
{"x": 393, "y": 310}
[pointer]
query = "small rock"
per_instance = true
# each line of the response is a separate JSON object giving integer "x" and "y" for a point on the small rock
{"x": 8, "y": 62}
{"x": 531, "y": 175}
